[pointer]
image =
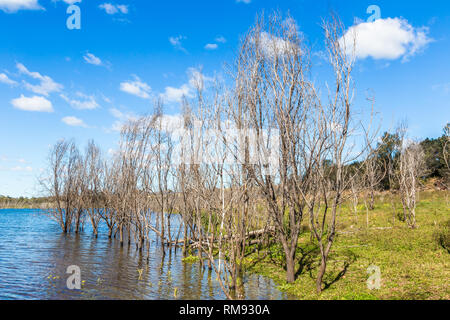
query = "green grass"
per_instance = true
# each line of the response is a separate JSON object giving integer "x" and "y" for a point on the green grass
{"x": 414, "y": 263}
{"x": 190, "y": 259}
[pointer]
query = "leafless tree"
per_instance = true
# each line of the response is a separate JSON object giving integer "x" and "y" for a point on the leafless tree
{"x": 273, "y": 96}
{"x": 62, "y": 181}
{"x": 333, "y": 177}
{"x": 93, "y": 174}
{"x": 411, "y": 166}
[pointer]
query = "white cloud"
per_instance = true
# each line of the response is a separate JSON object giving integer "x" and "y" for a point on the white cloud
{"x": 11, "y": 6}
{"x": 106, "y": 99}
{"x": 4, "y": 79}
{"x": 109, "y": 8}
{"x": 74, "y": 122}
{"x": 92, "y": 59}
{"x": 196, "y": 80}
{"x": 176, "y": 42}
{"x": 171, "y": 123}
{"x": 244, "y": 1}
{"x": 221, "y": 39}
{"x": 113, "y": 9}
{"x": 35, "y": 103}
{"x": 122, "y": 8}
{"x": 214, "y": 46}
{"x": 88, "y": 103}
{"x": 22, "y": 169}
{"x": 273, "y": 46}
{"x": 211, "y": 46}
{"x": 121, "y": 118}
{"x": 46, "y": 85}
{"x": 117, "y": 113}
{"x": 136, "y": 87}
{"x": 389, "y": 38}
{"x": 117, "y": 126}
{"x": 172, "y": 94}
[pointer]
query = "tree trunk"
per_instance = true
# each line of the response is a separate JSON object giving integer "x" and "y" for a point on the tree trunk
{"x": 290, "y": 268}
{"x": 323, "y": 267}
{"x": 121, "y": 235}
{"x": 372, "y": 200}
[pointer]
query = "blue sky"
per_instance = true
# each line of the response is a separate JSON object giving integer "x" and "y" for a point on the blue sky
{"x": 60, "y": 83}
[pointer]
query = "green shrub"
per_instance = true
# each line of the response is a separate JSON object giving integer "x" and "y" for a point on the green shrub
{"x": 190, "y": 259}
{"x": 443, "y": 236}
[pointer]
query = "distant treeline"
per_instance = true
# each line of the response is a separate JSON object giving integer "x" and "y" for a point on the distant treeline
{"x": 434, "y": 159}
{"x": 24, "y": 203}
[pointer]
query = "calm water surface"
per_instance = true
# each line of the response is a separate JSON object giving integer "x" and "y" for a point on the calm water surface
{"x": 34, "y": 256}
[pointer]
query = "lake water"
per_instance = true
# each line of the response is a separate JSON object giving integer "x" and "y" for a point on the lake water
{"x": 34, "y": 256}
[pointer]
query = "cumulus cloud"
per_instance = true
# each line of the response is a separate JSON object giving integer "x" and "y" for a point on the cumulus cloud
{"x": 390, "y": 39}
{"x": 12, "y": 6}
{"x": 211, "y": 46}
{"x": 46, "y": 84}
{"x": 196, "y": 80}
{"x": 136, "y": 87}
{"x": 74, "y": 122}
{"x": 173, "y": 94}
{"x": 244, "y": 1}
{"x": 5, "y": 79}
{"x": 35, "y": 103}
{"x": 273, "y": 46}
{"x": 113, "y": 8}
{"x": 92, "y": 59}
{"x": 121, "y": 118}
{"x": 85, "y": 103}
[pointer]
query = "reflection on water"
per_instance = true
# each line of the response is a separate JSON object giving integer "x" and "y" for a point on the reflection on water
{"x": 34, "y": 256}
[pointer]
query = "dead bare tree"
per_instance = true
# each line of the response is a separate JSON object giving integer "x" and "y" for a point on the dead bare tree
{"x": 62, "y": 183}
{"x": 410, "y": 168}
{"x": 374, "y": 173}
{"x": 445, "y": 150}
{"x": 93, "y": 177}
{"x": 272, "y": 97}
{"x": 335, "y": 128}
{"x": 109, "y": 205}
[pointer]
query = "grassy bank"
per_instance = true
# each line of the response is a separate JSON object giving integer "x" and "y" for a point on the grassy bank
{"x": 414, "y": 263}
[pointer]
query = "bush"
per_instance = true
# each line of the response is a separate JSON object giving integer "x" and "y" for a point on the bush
{"x": 191, "y": 259}
{"x": 443, "y": 236}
